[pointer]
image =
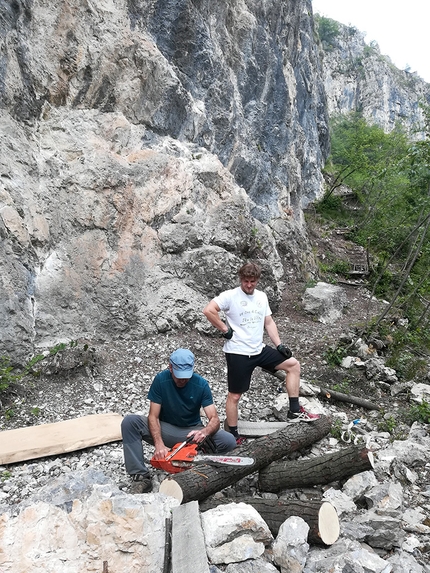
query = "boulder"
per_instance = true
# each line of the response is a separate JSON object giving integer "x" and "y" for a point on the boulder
{"x": 325, "y": 301}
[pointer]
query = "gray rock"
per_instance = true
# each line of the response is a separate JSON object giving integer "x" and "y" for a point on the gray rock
{"x": 290, "y": 548}
{"x": 356, "y": 486}
{"x": 403, "y": 561}
{"x": 251, "y": 566}
{"x": 345, "y": 555}
{"x": 352, "y": 87}
{"x": 325, "y": 301}
{"x": 146, "y": 152}
{"x": 234, "y": 532}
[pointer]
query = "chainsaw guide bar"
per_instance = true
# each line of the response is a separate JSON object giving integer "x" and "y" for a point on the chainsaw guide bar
{"x": 184, "y": 456}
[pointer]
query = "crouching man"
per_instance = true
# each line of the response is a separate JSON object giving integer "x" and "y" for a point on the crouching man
{"x": 176, "y": 396}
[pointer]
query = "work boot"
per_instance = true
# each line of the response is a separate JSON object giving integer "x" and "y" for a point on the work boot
{"x": 141, "y": 483}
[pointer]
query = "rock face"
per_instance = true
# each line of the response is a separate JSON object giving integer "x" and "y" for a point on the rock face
{"x": 147, "y": 149}
{"x": 106, "y": 530}
{"x": 357, "y": 77}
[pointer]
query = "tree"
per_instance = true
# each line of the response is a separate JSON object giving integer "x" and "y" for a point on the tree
{"x": 389, "y": 177}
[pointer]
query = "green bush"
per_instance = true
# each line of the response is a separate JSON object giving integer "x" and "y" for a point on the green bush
{"x": 335, "y": 355}
{"x": 7, "y": 376}
{"x": 328, "y": 30}
{"x": 420, "y": 413}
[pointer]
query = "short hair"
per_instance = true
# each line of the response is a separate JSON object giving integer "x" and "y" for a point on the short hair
{"x": 249, "y": 270}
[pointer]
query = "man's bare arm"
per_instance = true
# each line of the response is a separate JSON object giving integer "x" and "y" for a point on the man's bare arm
{"x": 211, "y": 311}
{"x": 211, "y": 427}
{"x": 272, "y": 330}
{"x": 155, "y": 429}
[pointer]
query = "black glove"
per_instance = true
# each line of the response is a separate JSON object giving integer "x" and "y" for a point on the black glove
{"x": 284, "y": 350}
{"x": 229, "y": 334}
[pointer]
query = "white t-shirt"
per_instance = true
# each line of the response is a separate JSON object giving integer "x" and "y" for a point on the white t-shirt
{"x": 245, "y": 314}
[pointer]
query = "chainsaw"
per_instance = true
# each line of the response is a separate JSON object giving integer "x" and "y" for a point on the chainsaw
{"x": 185, "y": 455}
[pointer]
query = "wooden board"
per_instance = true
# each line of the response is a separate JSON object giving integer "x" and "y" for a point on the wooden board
{"x": 59, "y": 438}
{"x": 258, "y": 429}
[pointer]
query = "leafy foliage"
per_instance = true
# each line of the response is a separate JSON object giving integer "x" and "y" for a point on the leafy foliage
{"x": 7, "y": 375}
{"x": 387, "y": 210}
{"x": 420, "y": 413}
{"x": 328, "y": 30}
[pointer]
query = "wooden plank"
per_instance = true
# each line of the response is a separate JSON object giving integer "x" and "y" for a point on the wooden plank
{"x": 59, "y": 437}
{"x": 258, "y": 429}
{"x": 188, "y": 544}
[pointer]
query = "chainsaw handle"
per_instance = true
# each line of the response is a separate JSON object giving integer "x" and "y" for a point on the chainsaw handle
{"x": 176, "y": 450}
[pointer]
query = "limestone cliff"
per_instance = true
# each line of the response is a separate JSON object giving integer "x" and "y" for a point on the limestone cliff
{"x": 147, "y": 149}
{"x": 357, "y": 77}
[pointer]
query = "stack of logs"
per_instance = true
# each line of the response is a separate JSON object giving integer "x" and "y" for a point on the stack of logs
{"x": 276, "y": 474}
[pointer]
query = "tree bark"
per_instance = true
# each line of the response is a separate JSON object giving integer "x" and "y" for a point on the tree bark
{"x": 315, "y": 471}
{"x": 201, "y": 481}
{"x": 320, "y": 515}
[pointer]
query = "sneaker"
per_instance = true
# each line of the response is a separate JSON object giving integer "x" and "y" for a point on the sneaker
{"x": 302, "y": 416}
{"x": 141, "y": 483}
{"x": 240, "y": 440}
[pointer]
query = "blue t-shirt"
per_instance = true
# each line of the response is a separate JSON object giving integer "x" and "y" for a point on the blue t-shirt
{"x": 180, "y": 406}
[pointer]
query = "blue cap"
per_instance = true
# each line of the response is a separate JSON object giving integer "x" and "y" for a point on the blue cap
{"x": 182, "y": 361}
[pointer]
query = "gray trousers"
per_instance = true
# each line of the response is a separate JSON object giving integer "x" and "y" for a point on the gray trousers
{"x": 135, "y": 429}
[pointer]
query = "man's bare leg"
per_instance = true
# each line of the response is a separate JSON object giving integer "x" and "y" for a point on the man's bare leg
{"x": 291, "y": 367}
{"x": 231, "y": 408}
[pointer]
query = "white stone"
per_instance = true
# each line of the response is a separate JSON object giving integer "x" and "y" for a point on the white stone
{"x": 420, "y": 393}
{"x": 126, "y": 531}
{"x": 225, "y": 522}
{"x": 356, "y": 486}
{"x": 291, "y": 547}
{"x": 341, "y": 502}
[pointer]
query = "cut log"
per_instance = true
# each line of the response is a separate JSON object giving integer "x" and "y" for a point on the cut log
{"x": 201, "y": 482}
{"x": 328, "y": 394}
{"x": 315, "y": 471}
{"x": 321, "y": 516}
{"x": 188, "y": 544}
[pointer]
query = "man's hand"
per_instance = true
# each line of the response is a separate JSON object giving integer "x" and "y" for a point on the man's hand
{"x": 161, "y": 452}
{"x": 197, "y": 435}
{"x": 229, "y": 334}
{"x": 284, "y": 350}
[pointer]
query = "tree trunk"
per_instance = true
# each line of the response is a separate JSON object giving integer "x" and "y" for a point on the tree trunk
{"x": 315, "y": 471}
{"x": 204, "y": 480}
{"x": 320, "y": 515}
{"x": 332, "y": 395}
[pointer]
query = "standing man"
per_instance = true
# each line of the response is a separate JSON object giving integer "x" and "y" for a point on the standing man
{"x": 248, "y": 314}
{"x": 176, "y": 396}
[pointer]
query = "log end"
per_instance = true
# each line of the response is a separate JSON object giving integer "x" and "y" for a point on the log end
{"x": 172, "y": 488}
{"x": 328, "y": 523}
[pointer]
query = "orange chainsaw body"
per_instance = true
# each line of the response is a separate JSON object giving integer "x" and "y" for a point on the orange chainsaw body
{"x": 179, "y": 461}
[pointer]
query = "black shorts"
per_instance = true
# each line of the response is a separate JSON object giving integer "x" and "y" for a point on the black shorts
{"x": 240, "y": 367}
